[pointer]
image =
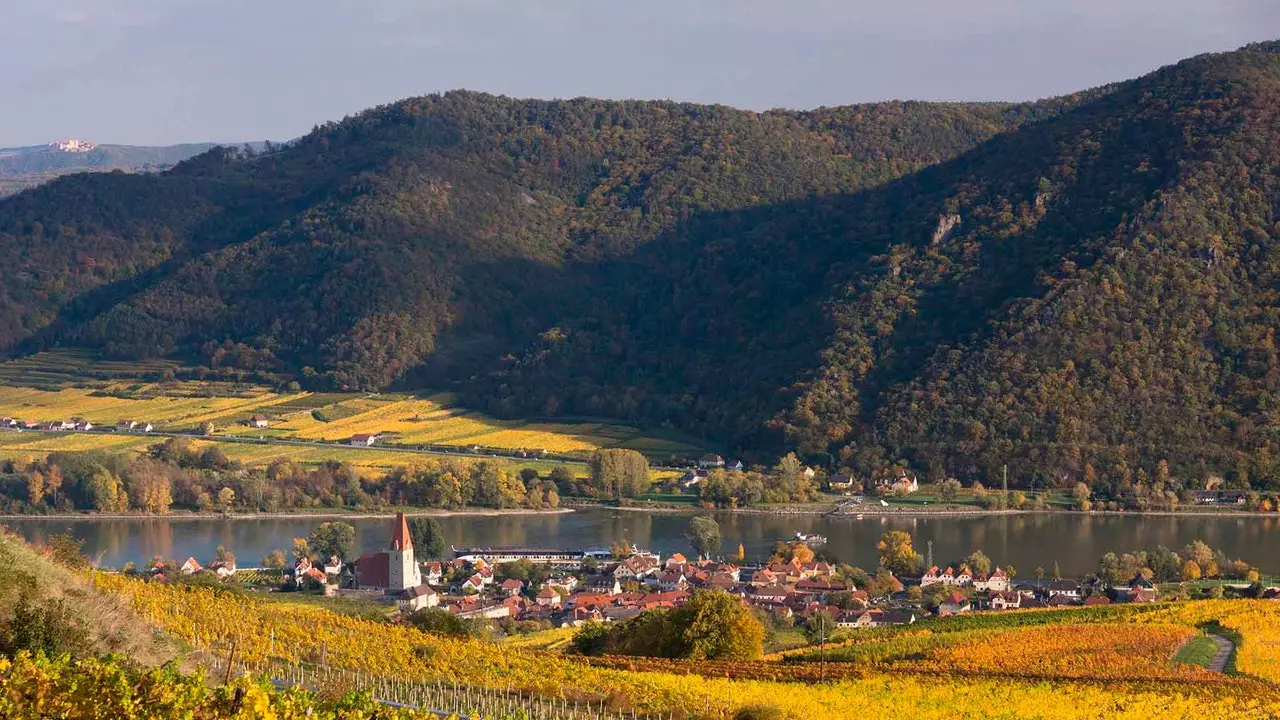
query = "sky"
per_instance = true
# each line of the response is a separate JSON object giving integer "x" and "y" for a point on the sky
{"x": 152, "y": 72}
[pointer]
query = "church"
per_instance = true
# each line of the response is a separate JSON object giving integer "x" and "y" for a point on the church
{"x": 393, "y": 570}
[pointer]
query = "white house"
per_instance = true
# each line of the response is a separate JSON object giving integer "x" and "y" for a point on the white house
{"x": 417, "y": 598}
{"x": 363, "y": 439}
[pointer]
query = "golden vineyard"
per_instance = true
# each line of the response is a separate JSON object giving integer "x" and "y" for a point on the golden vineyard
{"x": 1082, "y": 664}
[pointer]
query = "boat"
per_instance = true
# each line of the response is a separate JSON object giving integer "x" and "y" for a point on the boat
{"x": 810, "y": 539}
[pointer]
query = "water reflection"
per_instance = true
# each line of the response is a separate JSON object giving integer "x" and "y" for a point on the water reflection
{"x": 1025, "y": 541}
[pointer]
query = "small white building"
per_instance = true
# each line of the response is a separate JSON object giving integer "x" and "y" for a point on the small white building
{"x": 417, "y": 598}
{"x": 363, "y": 439}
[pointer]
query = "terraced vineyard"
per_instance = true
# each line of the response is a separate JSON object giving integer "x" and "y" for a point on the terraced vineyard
{"x": 64, "y": 384}
{"x": 1061, "y": 669}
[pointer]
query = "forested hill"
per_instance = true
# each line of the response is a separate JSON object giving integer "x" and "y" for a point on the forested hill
{"x": 1079, "y": 287}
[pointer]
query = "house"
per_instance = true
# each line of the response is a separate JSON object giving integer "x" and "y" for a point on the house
{"x": 1222, "y": 497}
{"x": 417, "y": 598}
{"x": 603, "y": 583}
{"x": 258, "y": 421}
{"x": 125, "y": 425}
{"x": 434, "y": 573}
{"x": 931, "y": 577}
{"x": 693, "y": 478}
{"x": 904, "y": 483}
{"x": 997, "y": 581}
{"x": 809, "y": 473}
{"x": 190, "y": 567}
{"x": 677, "y": 559}
{"x": 1004, "y": 600}
{"x": 964, "y": 578}
{"x": 547, "y": 597}
{"x": 333, "y": 566}
{"x": 143, "y": 427}
{"x": 764, "y": 576}
{"x": 887, "y": 619}
{"x": 844, "y": 483}
{"x": 737, "y": 465}
{"x": 475, "y": 584}
{"x": 954, "y": 604}
{"x": 768, "y": 594}
{"x": 511, "y": 587}
{"x": 1140, "y": 589}
{"x": 1068, "y": 589}
{"x": 672, "y": 580}
{"x": 1097, "y": 599}
{"x": 636, "y": 567}
{"x": 565, "y": 583}
{"x": 710, "y": 460}
{"x": 858, "y": 619}
{"x": 363, "y": 439}
{"x": 946, "y": 577}
{"x": 81, "y": 425}
{"x": 223, "y": 568}
{"x": 817, "y": 587}
{"x": 488, "y": 611}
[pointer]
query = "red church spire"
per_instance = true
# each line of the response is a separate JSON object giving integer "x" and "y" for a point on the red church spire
{"x": 400, "y": 538}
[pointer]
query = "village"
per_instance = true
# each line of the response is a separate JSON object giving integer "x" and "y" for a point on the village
{"x": 545, "y": 588}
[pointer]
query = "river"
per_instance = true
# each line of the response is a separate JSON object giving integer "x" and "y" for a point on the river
{"x": 1074, "y": 542}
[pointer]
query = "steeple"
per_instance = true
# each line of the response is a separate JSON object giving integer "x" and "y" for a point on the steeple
{"x": 400, "y": 538}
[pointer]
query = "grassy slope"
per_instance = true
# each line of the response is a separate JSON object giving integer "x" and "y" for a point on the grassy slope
{"x": 113, "y": 626}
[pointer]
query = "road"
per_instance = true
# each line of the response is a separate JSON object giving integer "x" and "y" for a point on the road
{"x": 1225, "y": 648}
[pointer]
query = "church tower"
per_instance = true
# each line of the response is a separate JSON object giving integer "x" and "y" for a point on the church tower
{"x": 403, "y": 571}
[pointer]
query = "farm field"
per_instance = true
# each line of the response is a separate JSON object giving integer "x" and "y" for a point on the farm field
{"x": 59, "y": 385}
{"x": 1069, "y": 668}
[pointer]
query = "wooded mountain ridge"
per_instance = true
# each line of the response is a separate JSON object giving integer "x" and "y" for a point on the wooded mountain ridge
{"x": 1080, "y": 285}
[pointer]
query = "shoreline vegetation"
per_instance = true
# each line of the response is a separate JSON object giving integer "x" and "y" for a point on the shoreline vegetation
{"x": 570, "y": 505}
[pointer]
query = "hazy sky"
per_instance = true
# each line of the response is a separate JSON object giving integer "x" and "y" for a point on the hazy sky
{"x": 165, "y": 71}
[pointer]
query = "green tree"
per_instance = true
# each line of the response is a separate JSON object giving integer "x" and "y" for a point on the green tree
{"x": 704, "y": 535}
{"x": 947, "y": 490}
{"x": 332, "y": 539}
{"x": 979, "y": 563}
{"x": 1080, "y": 496}
{"x": 428, "y": 538}
{"x": 274, "y": 560}
{"x": 897, "y": 553}
{"x": 443, "y": 622}
{"x": 715, "y": 625}
{"x": 819, "y": 627}
{"x": 619, "y": 473}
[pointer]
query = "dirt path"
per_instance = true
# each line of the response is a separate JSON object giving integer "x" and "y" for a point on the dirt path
{"x": 1225, "y": 648}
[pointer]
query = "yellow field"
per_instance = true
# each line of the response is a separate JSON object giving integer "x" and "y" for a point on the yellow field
{"x": 62, "y": 384}
{"x": 164, "y": 412}
{"x": 327, "y": 417}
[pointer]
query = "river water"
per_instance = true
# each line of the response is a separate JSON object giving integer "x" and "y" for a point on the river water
{"x": 1074, "y": 542}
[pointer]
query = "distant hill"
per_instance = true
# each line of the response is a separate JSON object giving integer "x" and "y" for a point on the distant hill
{"x": 1080, "y": 287}
{"x": 27, "y": 167}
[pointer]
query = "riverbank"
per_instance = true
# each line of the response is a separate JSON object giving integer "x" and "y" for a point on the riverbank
{"x": 892, "y": 511}
{"x": 323, "y": 515}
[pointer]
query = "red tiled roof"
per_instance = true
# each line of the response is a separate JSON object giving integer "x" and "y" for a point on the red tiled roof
{"x": 400, "y": 537}
{"x": 374, "y": 570}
